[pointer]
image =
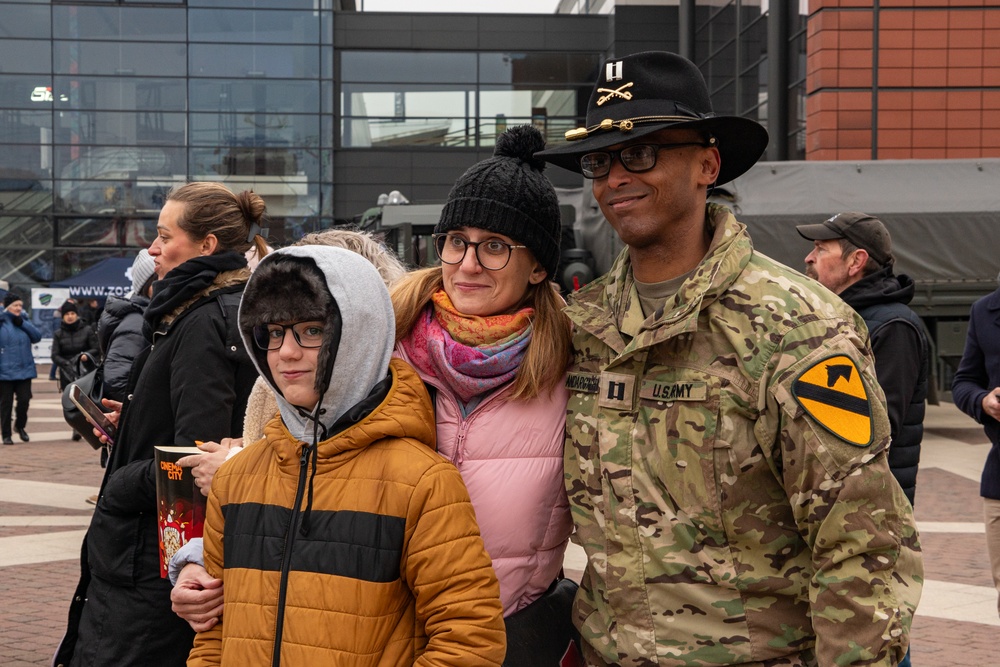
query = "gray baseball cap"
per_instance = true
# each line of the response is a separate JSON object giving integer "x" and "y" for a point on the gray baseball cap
{"x": 865, "y": 231}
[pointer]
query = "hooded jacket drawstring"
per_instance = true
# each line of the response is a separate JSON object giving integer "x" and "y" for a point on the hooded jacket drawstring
{"x": 312, "y": 450}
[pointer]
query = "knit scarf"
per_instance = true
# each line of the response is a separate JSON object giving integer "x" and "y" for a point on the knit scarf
{"x": 471, "y": 355}
{"x": 185, "y": 281}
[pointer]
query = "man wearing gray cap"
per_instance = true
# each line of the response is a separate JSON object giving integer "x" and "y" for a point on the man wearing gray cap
{"x": 725, "y": 450}
{"x": 852, "y": 256}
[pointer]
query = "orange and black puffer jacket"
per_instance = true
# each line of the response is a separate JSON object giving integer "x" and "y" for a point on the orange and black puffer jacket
{"x": 392, "y": 570}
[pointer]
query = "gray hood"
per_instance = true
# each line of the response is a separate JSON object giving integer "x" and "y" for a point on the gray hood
{"x": 368, "y": 329}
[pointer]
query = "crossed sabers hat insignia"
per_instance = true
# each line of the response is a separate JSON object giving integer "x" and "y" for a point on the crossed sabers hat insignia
{"x": 619, "y": 92}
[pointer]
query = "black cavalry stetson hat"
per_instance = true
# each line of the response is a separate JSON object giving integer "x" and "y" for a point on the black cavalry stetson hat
{"x": 640, "y": 94}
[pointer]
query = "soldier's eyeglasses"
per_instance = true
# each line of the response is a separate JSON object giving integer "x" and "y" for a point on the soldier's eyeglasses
{"x": 492, "y": 255}
{"x": 636, "y": 158}
{"x": 272, "y": 336}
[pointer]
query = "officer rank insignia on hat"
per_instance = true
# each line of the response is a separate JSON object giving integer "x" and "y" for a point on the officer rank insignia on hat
{"x": 833, "y": 393}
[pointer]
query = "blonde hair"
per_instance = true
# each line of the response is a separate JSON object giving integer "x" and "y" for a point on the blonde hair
{"x": 212, "y": 208}
{"x": 364, "y": 244}
{"x": 548, "y": 352}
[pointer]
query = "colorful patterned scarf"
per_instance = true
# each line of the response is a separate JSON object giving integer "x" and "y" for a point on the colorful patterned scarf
{"x": 471, "y": 355}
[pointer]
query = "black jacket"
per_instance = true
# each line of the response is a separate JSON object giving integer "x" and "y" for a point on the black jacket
{"x": 979, "y": 373}
{"x": 191, "y": 383}
{"x": 119, "y": 333}
{"x": 67, "y": 344}
{"x": 902, "y": 364}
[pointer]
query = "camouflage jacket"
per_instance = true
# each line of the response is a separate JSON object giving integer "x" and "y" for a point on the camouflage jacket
{"x": 726, "y": 469}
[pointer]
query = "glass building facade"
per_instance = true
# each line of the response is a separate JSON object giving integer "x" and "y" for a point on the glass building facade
{"x": 104, "y": 106}
{"x": 107, "y": 104}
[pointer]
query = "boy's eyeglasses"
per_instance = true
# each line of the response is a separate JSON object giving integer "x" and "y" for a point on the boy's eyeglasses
{"x": 272, "y": 336}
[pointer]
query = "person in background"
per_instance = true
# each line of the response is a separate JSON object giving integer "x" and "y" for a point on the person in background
{"x": 119, "y": 331}
{"x": 17, "y": 366}
{"x": 74, "y": 348}
{"x": 975, "y": 388}
{"x": 726, "y": 436}
{"x": 192, "y": 383}
{"x": 380, "y": 560}
{"x": 852, "y": 257}
{"x": 120, "y": 337}
{"x": 485, "y": 331}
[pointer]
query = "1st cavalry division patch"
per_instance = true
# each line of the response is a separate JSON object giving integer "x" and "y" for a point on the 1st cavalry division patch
{"x": 834, "y": 395}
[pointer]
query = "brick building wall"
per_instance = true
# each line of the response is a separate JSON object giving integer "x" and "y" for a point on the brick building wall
{"x": 899, "y": 79}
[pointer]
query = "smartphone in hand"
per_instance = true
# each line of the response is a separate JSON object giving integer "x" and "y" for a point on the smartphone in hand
{"x": 92, "y": 412}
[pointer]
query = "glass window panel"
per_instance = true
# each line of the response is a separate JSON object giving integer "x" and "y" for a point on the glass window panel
{"x": 377, "y": 66}
{"x": 121, "y": 127}
{"x": 26, "y": 231}
{"x": 254, "y": 26}
{"x": 280, "y": 165}
{"x": 115, "y": 195}
{"x": 114, "y": 231}
{"x": 68, "y": 263}
{"x": 26, "y": 161}
{"x": 27, "y": 21}
{"x": 125, "y": 94}
{"x": 250, "y": 60}
{"x": 276, "y": 4}
{"x": 401, "y": 101}
{"x": 121, "y": 58}
{"x": 117, "y": 162}
{"x": 250, "y": 129}
{"x": 383, "y": 115}
{"x": 250, "y": 95}
{"x": 24, "y": 56}
{"x": 25, "y": 92}
{"x": 528, "y": 68}
{"x": 24, "y": 248}
{"x": 21, "y": 126}
{"x": 103, "y": 22}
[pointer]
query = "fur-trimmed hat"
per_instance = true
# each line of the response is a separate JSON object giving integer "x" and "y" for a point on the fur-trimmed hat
{"x": 9, "y": 298}
{"x": 508, "y": 194}
{"x": 292, "y": 289}
{"x": 643, "y": 93}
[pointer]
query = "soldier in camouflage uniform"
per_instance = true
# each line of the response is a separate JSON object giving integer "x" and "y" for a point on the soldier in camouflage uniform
{"x": 726, "y": 436}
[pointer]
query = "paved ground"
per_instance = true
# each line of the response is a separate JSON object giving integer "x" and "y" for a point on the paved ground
{"x": 43, "y": 513}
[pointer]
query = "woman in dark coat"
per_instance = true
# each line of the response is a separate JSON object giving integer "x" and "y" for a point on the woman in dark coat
{"x": 191, "y": 383}
{"x": 74, "y": 346}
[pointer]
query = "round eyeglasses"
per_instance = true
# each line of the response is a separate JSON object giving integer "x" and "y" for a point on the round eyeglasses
{"x": 636, "y": 158}
{"x": 272, "y": 336}
{"x": 492, "y": 255}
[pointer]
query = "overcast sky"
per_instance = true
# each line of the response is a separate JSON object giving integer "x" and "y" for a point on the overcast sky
{"x": 464, "y": 6}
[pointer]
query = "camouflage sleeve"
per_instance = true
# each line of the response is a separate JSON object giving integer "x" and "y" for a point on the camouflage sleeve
{"x": 826, "y": 424}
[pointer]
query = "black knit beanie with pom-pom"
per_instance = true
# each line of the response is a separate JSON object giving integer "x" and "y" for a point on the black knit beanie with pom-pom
{"x": 509, "y": 195}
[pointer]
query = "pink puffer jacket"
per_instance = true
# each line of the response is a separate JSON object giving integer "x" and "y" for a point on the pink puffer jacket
{"x": 510, "y": 455}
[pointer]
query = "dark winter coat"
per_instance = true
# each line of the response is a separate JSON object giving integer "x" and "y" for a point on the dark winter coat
{"x": 120, "y": 336}
{"x": 902, "y": 364}
{"x": 16, "y": 360}
{"x": 191, "y": 383}
{"x": 978, "y": 374}
{"x": 67, "y": 345}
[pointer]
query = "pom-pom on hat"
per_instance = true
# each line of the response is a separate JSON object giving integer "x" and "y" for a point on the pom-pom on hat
{"x": 10, "y": 298}
{"x": 508, "y": 194}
